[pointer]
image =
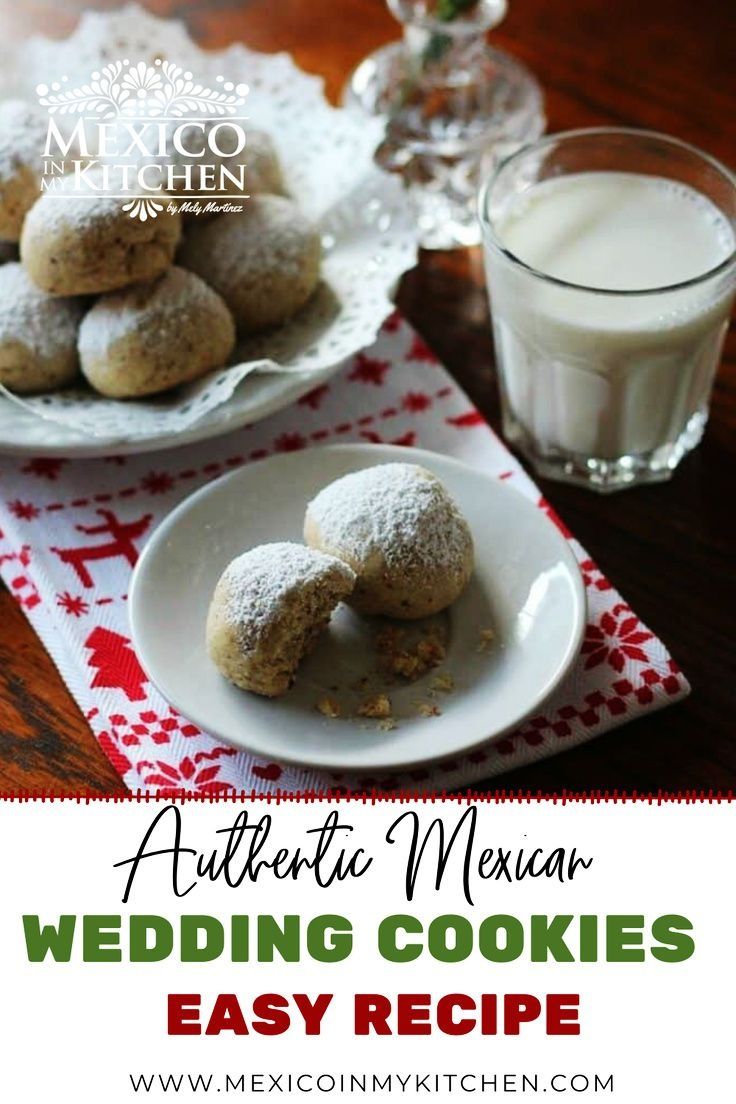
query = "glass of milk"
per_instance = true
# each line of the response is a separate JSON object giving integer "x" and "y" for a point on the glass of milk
{"x": 611, "y": 267}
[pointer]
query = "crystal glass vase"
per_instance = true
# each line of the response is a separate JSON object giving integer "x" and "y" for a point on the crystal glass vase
{"x": 453, "y": 106}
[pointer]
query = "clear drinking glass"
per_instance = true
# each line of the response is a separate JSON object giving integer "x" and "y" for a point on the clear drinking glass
{"x": 607, "y": 386}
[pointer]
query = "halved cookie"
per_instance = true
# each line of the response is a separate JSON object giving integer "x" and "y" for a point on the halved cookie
{"x": 267, "y": 611}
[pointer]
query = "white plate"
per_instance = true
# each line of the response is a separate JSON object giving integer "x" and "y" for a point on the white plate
{"x": 25, "y": 434}
{"x": 526, "y": 586}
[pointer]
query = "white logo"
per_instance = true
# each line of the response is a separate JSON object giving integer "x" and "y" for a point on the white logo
{"x": 135, "y": 130}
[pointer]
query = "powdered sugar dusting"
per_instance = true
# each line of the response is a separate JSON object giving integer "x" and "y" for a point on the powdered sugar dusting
{"x": 400, "y": 511}
{"x": 44, "y": 323}
{"x": 270, "y": 235}
{"x": 75, "y": 204}
{"x": 263, "y": 171}
{"x": 260, "y": 583}
{"x": 22, "y": 137}
{"x": 157, "y": 306}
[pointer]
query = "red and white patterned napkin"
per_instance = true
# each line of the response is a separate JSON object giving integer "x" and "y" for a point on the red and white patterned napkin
{"x": 71, "y": 530}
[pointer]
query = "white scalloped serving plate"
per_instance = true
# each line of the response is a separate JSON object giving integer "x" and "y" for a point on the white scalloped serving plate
{"x": 327, "y": 157}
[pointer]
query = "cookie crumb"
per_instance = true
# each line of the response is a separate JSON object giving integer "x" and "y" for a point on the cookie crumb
{"x": 389, "y": 639}
{"x": 329, "y": 707}
{"x": 377, "y": 706}
{"x": 428, "y": 709}
{"x": 444, "y": 682}
{"x": 387, "y": 725}
{"x": 431, "y": 651}
{"x": 486, "y": 638}
{"x": 408, "y": 661}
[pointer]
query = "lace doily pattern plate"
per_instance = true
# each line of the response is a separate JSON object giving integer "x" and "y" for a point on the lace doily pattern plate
{"x": 367, "y": 230}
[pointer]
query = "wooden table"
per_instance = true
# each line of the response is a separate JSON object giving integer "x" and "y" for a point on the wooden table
{"x": 663, "y": 64}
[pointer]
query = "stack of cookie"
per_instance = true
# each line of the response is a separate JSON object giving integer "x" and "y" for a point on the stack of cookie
{"x": 171, "y": 292}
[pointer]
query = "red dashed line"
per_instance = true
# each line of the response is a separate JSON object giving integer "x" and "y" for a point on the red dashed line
{"x": 237, "y": 461}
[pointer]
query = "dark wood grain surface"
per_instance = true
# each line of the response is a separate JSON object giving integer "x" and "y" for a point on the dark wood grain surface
{"x": 664, "y": 64}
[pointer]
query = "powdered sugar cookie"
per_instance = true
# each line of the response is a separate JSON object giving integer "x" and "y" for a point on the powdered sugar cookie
{"x": 154, "y": 336}
{"x": 267, "y": 611}
{"x": 262, "y": 166}
{"x": 87, "y": 244}
{"x": 401, "y": 533}
{"x": 22, "y": 140}
{"x": 251, "y": 171}
{"x": 263, "y": 262}
{"x": 38, "y": 334}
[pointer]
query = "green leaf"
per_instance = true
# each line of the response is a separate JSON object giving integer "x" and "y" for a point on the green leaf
{"x": 447, "y": 10}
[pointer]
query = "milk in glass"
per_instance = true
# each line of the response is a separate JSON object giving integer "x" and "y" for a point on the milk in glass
{"x": 594, "y": 359}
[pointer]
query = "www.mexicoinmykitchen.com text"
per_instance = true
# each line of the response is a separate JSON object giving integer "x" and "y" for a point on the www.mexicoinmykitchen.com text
{"x": 402, "y": 1084}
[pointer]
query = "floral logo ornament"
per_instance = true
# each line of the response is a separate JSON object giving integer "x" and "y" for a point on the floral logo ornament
{"x": 123, "y": 88}
{"x": 618, "y": 637}
{"x": 143, "y": 209}
{"x": 141, "y": 80}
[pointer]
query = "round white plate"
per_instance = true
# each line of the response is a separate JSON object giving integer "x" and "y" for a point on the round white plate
{"x": 526, "y": 587}
{"x": 26, "y": 434}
